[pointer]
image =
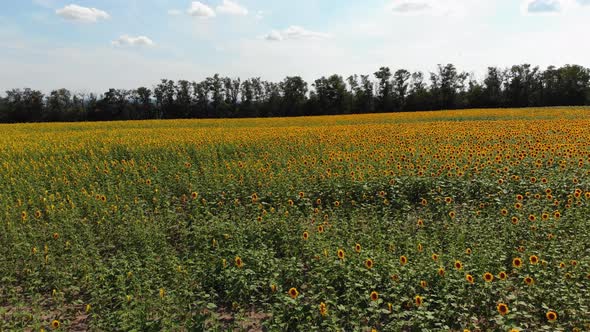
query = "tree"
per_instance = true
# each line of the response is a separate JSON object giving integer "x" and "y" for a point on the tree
{"x": 59, "y": 103}
{"x": 142, "y": 101}
{"x": 332, "y": 95}
{"x": 400, "y": 88}
{"x": 24, "y": 105}
{"x": 384, "y": 98}
{"x": 492, "y": 88}
{"x": 294, "y": 91}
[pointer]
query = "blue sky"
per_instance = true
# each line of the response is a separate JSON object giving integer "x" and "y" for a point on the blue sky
{"x": 91, "y": 45}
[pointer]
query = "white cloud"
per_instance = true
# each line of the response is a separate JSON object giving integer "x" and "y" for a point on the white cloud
{"x": 543, "y": 6}
{"x": 199, "y": 9}
{"x": 295, "y": 32}
{"x": 126, "y": 40}
{"x": 408, "y": 6}
{"x": 82, "y": 14}
{"x": 174, "y": 12}
{"x": 232, "y": 8}
{"x": 260, "y": 14}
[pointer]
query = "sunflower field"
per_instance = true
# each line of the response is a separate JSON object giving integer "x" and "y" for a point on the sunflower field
{"x": 472, "y": 220}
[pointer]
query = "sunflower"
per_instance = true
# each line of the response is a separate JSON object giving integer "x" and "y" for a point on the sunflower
{"x": 574, "y": 262}
{"x": 420, "y": 223}
{"x": 403, "y": 260}
{"x": 424, "y": 202}
{"x": 55, "y": 236}
{"x": 534, "y": 259}
{"x": 239, "y": 262}
{"x": 340, "y": 253}
{"x": 418, "y": 300}
{"x": 517, "y": 262}
{"x": 518, "y": 205}
{"x": 519, "y": 197}
{"x": 55, "y": 324}
{"x": 448, "y": 200}
{"x": 502, "y": 308}
{"x": 423, "y": 283}
{"x": 514, "y": 220}
{"x": 488, "y": 277}
{"x": 561, "y": 265}
{"x": 557, "y": 214}
{"x": 551, "y": 316}
{"x": 502, "y": 275}
{"x": 434, "y": 257}
{"x": 420, "y": 247}
{"x": 336, "y": 203}
{"x": 320, "y": 229}
{"x": 469, "y": 278}
{"x": 374, "y": 296}
{"x": 468, "y": 251}
{"x": 162, "y": 292}
{"x": 504, "y": 212}
{"x": 323, "y": 309}
{"x": 545, "y": 216}
{"x": 529, "y": 280}
{"x": 293, "y": 292}
{"x": 305, "y": 235}
{"x": 532, "y": 217}
{"x": 290, "y": 202}
{"x": 301, "y": 194}
{"x": 357, "y": 247}
{"x": 369, "y": 263}
{"x": 452, "y": 214}
{"x": 390, "y": 307}
{"x": 273, "y": 288}
{"x": 23, "y": 215}
{"x": 441, "y": 271}
{"x": 458, "y": 265}
{"x": 37, "y": 214}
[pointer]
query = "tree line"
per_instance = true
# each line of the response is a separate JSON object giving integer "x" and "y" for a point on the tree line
{"x": 384, "y": 91}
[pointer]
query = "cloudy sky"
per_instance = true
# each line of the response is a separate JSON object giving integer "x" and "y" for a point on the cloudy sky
{"x": 91, "y": 45}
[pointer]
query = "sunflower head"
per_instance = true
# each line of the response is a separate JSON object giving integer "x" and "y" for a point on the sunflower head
{"x": 239, "y": 262}
{"x": 323, "y": 309}
{"x": 551, "y": 316}
{"x": 369, "y": 263}
{"x": 293, "y": 292}
{"x": 534, "y": 259}
{"x": 517, "y": 262}
{"x": 502, "y": 275}
{"x": 403, "y": 260}
{"x": 458, "y": 265}
{"x": 441, "y": 271}
{"x": 529, "y": 280}
{"x": 357, "y": 247}
{"x": 340, "y": 253}
{"x": 419, "y": 300}
{"x": 374, "y": 296}
{"x": 469, "y": 278}
{"x": 55, "y": 324}
{"x": 502, "y": 308}
{"x": 488, "y": 277}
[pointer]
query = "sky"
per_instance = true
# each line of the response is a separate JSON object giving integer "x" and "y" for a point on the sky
{"x": 93, "y": 45}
